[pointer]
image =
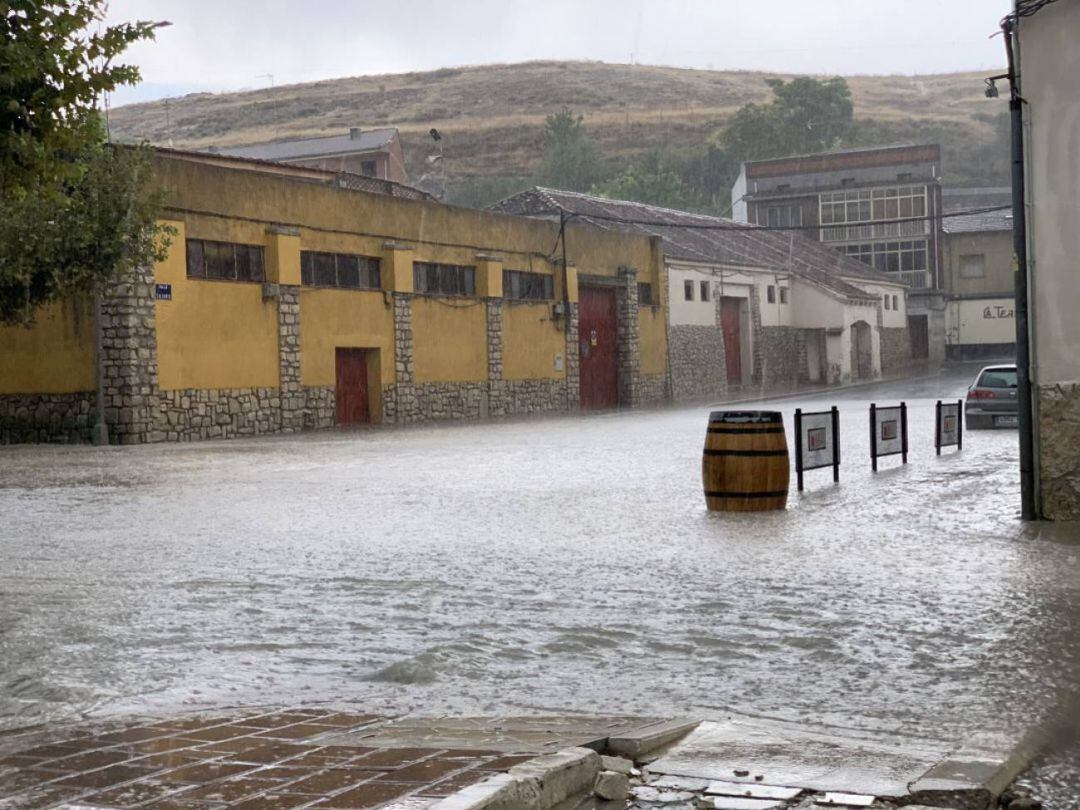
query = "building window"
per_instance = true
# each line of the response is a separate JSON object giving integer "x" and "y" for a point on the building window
{"x": 523, "y": 286}
{"x": 894, "y": 303}
{"x": 319, "y": 269}
{"x": 890, "y": 257}
{"x": 881, "y": 205}
{"x": 770, "y": 294}
{"x": 704, "y": 291}
{"x": 972, "y": 265}
{"x": 887, "y": 297}
{"x": 688, "y": 290}
{"x": 444, "y": 279}
{"x": 224, "y": 261}
{"x": 644, "y": 294}
{"x": 783, "y": 295}
{"x": 780, "y": 216}
{"x": 369, "y": 168}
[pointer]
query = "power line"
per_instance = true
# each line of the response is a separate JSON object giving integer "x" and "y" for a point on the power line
{"x": 743, "y": 226}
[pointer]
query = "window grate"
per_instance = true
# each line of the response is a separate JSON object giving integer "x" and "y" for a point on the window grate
{"x": 522, "y": 285}
{"x": 224, "y": 261}
{"x": 320, "y": 269}
{"x": 444, "y": 279}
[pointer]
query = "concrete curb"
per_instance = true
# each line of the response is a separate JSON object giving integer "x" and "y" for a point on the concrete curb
{"x": 538, "y": 784}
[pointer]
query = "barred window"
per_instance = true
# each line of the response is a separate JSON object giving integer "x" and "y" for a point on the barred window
{"x": 770, "y": 294}
{"x": 644, "y": 294}
{"x": 704, "y": 291}
{"x": 224, "y": 261}
{"x": 525, "y": 286}
{"x": 891, "y": 257}
{"x": 864, "y": 205}
{"x": 783, "y": 295}
{"x": 688, "y": 290}
{"x": 887, "y": 299}
{"x": 444, "y": 279}
{"x": 318, "y": 269}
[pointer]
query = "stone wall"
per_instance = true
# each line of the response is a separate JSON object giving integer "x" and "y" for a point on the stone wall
{"x": 895, "y": 350}
{"x": 129, "y": 358}
{"x": 46, "y": 417}
{"x": 534, "y": 396}
{"x": 783, "y": 356}
{"x": 292, "y": 400}
{"x": 698, "y": 364}
{"x": 197, "y": 414}
{"x": 626, "y": 338}
{"x": 653, "y": 389}
{"x": 320, "y": 408}
{"x": 1059, "y": 450}
{"x": 757, "y": 350}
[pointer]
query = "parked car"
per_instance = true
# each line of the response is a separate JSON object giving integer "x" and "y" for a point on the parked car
{"x": 991, "y": 399}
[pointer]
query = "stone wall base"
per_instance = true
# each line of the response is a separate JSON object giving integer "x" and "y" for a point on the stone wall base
{"x": 1059, "y": 450}
{"x": 895, "y": 350}
{"x": 783, "y": 356}
{"x": 193, "y": 414}
{"x": 532, "y": 396}
{"x": 698, "y": 363}
{"x": 63, "y": 418}
{"x": 654, "y": 389}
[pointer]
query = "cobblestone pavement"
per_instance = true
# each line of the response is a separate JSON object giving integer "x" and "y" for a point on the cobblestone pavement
{"x": 245, "y": 760}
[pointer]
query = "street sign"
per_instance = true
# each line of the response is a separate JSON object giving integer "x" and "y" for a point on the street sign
{"x": 949, "y": 425}
{"x": 888, "y": 432}
{"x": 817, "y": 442}
{"x": 163, "y": 292}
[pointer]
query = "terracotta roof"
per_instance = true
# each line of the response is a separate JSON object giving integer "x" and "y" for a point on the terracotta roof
{"x": 707, "y": 239}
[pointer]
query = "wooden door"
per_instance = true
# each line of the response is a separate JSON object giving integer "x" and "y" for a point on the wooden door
{"x": 732, "y": 329}
{"x": 919, "y": 329}
{"x": 596, "y": 343}
{"x": 352, "y": 387}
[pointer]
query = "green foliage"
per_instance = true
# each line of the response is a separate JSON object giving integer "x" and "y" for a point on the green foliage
{"x": 571, "y": 162}
{"x": 73, "y": 211}
{"x": 651, "y": 181}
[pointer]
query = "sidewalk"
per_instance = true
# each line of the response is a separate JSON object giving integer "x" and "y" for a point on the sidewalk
{"x": 332, "y": 759}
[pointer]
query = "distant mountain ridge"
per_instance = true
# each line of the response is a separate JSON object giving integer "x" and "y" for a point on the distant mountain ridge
{"x": 491, "y": 117}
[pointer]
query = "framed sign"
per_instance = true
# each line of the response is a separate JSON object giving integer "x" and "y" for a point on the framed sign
{"x": 949, "y": 430}
{"x": 888, "y": 432}
{"x": 817, "y": 442}
{"x": 163, "y": 292}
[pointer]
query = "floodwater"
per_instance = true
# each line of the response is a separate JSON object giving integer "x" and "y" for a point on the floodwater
{"x": 563, "y": 564}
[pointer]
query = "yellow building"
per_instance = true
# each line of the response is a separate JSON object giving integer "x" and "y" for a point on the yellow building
{"x": 289, "y": 301}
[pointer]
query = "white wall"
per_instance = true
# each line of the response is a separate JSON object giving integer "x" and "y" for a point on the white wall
{"x": 815, "y": 309}
{"x": 978, "y": 321}
{"x": 890, "y": 318}
{"x": 1050, "y": 67}
{"x": 733, "y": 283}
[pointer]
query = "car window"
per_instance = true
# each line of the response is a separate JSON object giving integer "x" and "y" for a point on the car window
{"x": 998, "y": 378}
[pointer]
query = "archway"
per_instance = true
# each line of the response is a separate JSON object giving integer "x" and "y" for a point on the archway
{"x": 862, "y": 351}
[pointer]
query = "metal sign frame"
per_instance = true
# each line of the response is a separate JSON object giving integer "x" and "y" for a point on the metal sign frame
{"x": 835, "y": 462}
{"x": 939, "y": 439}
{"x": 903, "y": 451}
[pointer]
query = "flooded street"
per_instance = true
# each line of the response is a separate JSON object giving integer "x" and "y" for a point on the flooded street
{"x": 534, "y": 566}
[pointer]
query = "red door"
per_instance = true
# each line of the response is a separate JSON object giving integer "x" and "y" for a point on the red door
{"x": 596, "y": 342}
{"x": 352, "y": 387}
{"x": 729, "y": 324}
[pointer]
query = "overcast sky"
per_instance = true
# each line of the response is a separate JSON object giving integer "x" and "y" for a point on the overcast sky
{"x": 237, "y": 44}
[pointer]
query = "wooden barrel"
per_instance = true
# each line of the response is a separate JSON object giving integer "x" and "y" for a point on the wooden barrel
{"x": 745, "y": 465}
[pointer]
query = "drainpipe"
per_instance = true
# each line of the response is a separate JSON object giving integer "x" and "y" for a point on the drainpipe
{"x": 99, "y": 434}
{"x": 1028, "y": 509}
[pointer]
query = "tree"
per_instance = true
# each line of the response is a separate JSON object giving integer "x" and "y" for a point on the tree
{"x": 571, "y": 162}
{"x": 806, "y": 115}
{"x": 74, "y": 210}
{"x": 651, "y": 181}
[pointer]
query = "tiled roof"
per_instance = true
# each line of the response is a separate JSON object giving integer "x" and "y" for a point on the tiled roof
{"x": 708, "y": 239}
{"x": 370, "y": 140}
{"x": 979, "y": 223}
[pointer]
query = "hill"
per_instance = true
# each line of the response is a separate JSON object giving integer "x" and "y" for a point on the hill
{"x": 492, "y": 116}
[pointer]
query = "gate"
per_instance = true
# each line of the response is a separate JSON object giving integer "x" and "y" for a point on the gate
{"x": 596, "y": 336}
{"x": 732, "y": 329}
{"x": 352, "y": 387}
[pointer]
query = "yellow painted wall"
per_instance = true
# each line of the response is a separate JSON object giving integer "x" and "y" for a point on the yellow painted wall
{"x": 342, "y": 318}
{"x": 55, "y": 355}
{"x": 449, "y": 339}
{"x": 652, "y": 340}
{"x": 214, "y": 334}
{"x": 530, "y": 342}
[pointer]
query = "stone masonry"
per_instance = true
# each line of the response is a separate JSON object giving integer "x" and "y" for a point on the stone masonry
{"x": 626, "y": 338}
{"x": 698, "y": 364}
{"x": 400, "y": 404}
{"x": 64, "y": 418}
{"x": 129, "y": 358}
{"x": 895, "y": 350}
{"x": 1059, "y": 449}
{"x": 495, "y": 404}
{"x": 573, "y": 358}
{"x": 757, "y": 350}
{"x": 783, "y": 356}
{"x": 292, "y": 397}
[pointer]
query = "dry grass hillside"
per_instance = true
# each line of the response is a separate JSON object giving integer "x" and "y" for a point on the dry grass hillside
{"x": 492, "y": 116}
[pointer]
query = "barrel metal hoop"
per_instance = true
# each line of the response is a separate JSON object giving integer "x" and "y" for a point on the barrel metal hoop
{"x": 778, "y": 494}
{"x": 710, "y": 452}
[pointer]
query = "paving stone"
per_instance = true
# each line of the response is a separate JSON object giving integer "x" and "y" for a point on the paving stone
{"x": 88, "y": 761}
{"x": 203, "y": 772}
{"x": 393, "y": 758}
{"x": 846, "y": 799}
{"x": 425, "y": 771}
{"x": 454, "y": 783}
{"x": 611, "y": 785}
{"x": 273, "y": 801}
{"x": 680, "y": 783}
{"x": 231, "y": 790}
{"x": 320, "y": 784}
{"x": 752, "y": 790}
{"x": 105, "y": 777}
{"x": 299, "y": 731}
{"x": 367, "y": 795}
{"x": 617, "y": 764}
{"x": 135, "y": 793}
{"x": 735, "y": 803}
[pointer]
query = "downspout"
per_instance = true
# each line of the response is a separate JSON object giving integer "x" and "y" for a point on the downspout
{"x": 1028, "y": 507}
